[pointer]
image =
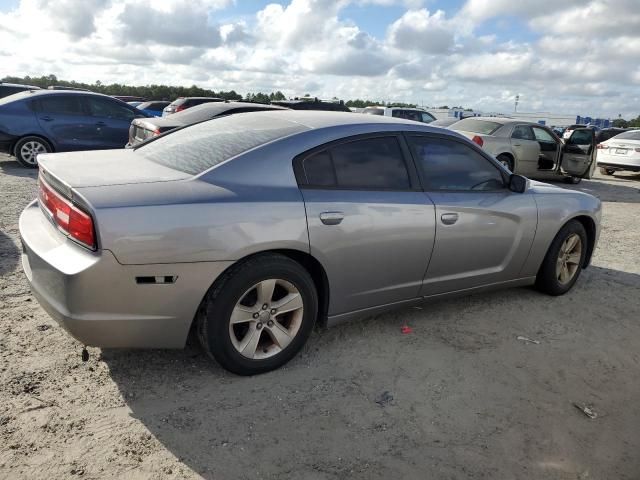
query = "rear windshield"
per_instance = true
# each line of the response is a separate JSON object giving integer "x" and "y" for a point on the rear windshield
{"x": 483, "y": 127}
{"x": 573, "y": 127}
{"x": 373, "y": 111}
{"x": 199, "y": 147}
{"x": 633, "y": 135}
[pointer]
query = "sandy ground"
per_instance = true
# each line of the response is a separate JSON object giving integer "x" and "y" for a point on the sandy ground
{"x": 458, "y": 398}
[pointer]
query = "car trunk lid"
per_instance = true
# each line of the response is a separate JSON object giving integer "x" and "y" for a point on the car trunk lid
{"x": 105, "y": 167}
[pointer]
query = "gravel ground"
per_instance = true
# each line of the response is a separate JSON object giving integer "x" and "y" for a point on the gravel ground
{"x": 458, "y": 398}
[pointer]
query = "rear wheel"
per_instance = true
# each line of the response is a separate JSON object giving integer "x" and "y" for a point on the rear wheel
{"x": 506, "y": 160}
{"x": 28, "y": 148}
{"x": 606, "y": 171}
{"x": 563, "y": 262}
{"x": 572, "y": 180}
{"x": 258, "y": 315}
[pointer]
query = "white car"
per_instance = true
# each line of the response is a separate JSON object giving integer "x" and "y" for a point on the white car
{"x": 619, "y": 153}
{"x": 415, "y": 114}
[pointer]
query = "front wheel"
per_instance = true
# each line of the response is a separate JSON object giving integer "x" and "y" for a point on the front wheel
{"x": 28, "y": 148}
{"x": 258, "y": 315}
{"x": 606, "y": 171}
{"x": 506, "y": 160}
{"x": 563, "y": 262}
{"x": 573, "y": 180}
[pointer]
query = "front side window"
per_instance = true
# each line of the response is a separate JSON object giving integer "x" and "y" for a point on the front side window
{"x": 61, "y": 105}
{"x": 542, "y": 135}
{"x": 99, "y": 107}
{"x": 427, "y": 117}
{"x": 372, "y": 164}
{"x": 454, "y": 166}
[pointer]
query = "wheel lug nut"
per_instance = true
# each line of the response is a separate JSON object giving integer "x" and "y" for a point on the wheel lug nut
{"x": 259, "y": 325}
{"x": 265, "y": 306}
{"x": 270, "y": 323}
{"x": 273, "y": 311}
{"x": 255, "y": 315}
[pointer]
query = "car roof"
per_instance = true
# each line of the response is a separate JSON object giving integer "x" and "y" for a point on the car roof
{"x": 198, "y": 98}
{"x": 44, "y": 92}
{"x": 505, "y": 121}
{"x": 5, "y": 84}
{"x": 316, "y": 119}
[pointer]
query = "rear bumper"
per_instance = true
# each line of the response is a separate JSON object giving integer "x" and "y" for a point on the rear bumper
{"x": 98, "y": 300}
{"x": 619, "y": 166}
{"x": 618, "y": 162}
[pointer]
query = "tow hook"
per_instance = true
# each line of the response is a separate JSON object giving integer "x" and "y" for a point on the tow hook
{"x": 85, "y": 354}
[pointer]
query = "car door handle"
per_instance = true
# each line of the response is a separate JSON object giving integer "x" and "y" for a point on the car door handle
{"x": 517, "y": 144}
{"x": 46, "y": 118}
{"x": 449, "y": 218}
{"x": 331, "y": 218}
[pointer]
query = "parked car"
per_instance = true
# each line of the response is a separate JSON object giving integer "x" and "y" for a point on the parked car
{"x": 7, "y": 89}
{"x": 307, "y": 103}
{"x": 569, "y": 130}
{"x": 143, "y": 129}
{"x": 134, "y": 104}
{"x": 182, "y": 103}
{"x": 253, "y": 227}
{"x": 532, "y": 149}
{"x": 415, "y": 114}
{"x": 607, "y": 133}
{"x": 41, "y": 121}
{"x": 63, "y": 87}
{"x": 153, "y": 108}
{"x": 129, "y": 98}
{"x": 620, "y": 153}
{"x": 444, "y": 122}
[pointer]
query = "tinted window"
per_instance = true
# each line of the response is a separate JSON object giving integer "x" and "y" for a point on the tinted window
{"x": 373, "y": 111}
{"x": 451, "y": 165}
{"x": 100, "y": 107}
{"x": 61, "y": 105}
{"x": 543, "y": 136}
{"x": 476, "y": 126}
{"x": 581, "y": 137}
{"x": 633, "y": 135}
{"x": 199, "y": 147}
{"x": 522, "y": 132}
{"x": 427, "y": 117}
{"x": 374, "y": 163}
{"x": 319, "y": 170}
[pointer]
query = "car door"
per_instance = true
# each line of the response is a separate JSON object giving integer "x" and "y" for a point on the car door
{"x": 483, "y": 230}
{"x": 525, "y": 148}
{"x": 64, "y": 121}
{"x": 111, "y": 121}
{"x": 369, "y": 222}
{"x": 578, "y": 156}
{"x": 549, "y": 148}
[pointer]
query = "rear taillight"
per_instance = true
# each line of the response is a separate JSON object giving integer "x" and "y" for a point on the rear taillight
{"x": 179, "y": 108}
{"x": 478, "y": 140}
{"x": 72, "y": 221}
{"x": 156, "y": 132}
{"x": 600, "y": 146}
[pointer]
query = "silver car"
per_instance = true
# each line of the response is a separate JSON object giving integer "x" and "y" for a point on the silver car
{"x": 256, "y": 226}
{"x": 531, "y": 149}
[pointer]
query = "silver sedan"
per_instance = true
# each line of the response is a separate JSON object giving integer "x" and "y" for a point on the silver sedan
{"x": 255, "y": 227}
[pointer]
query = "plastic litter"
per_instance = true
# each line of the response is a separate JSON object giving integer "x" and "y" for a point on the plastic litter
{"x": 384, "y": 399}
{"x": 587, "y": 410}
{"x": 527, "y": 340}
{"x": 406, "y": 329}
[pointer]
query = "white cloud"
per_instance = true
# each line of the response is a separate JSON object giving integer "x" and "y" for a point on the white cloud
{"x": 419, "y": 30}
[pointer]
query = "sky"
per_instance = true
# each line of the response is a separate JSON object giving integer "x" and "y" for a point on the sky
{"x": 560, "y": 56}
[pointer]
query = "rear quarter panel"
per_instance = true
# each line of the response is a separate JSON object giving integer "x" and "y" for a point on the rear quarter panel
{"x": 17, "y": 120}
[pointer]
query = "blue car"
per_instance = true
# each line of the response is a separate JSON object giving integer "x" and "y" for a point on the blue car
{"x": 153, "y": 108}
{"x": 44, "y": 121}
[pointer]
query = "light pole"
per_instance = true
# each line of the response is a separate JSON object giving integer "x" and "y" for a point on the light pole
{"x": 515, "y": 107}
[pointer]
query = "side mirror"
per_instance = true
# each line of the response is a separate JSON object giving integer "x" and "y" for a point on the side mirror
{"x": 517, "y": 183}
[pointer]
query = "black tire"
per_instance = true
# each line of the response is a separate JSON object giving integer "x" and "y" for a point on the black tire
{"x": 506, "y": 160}
{"x": 547, "y": 280}
{"x": 215, "y": 311}
{"x": 606, "y": 171}
{"x": 572, "y": 180}
{"x": 25, "y": 159}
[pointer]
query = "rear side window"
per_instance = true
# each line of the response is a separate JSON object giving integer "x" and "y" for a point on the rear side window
{"x": 373, "y": 111}
{"x": 542, "y": 135}
{"x": 61, "y": 105}
{"x": 632, "y": 135}
{"x": 523, "y": 132}
{"x": 451, "y": 165}
{"x": 372, "y": 164}
{"x": 199, "y": 147}
{"x": 483, "y": 127}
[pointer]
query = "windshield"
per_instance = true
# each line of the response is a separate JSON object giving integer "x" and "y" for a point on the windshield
{"x": 199, "y": 147}
{"x": 483, "y": 127}
{"x": 632, "y": 135}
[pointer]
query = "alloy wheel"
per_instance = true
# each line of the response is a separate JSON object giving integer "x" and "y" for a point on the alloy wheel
{"x": 569, "y": 257}
{"x": 30, "y": 150}
{"x": 266, "y": 319}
